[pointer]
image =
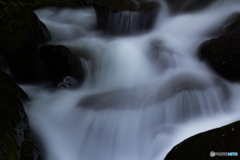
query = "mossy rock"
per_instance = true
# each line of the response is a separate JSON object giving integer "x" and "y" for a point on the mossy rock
{"x": 8, "y": 147}
{"x": 13, "y": 119}
{"x": 198, "y": 147}
{"x": 21, "y": 33}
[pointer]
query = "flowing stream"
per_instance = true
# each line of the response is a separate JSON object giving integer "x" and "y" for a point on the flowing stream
{"x": 142, "y": 95}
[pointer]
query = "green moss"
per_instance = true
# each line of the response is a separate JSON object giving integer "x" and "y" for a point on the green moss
{"x": 8, "y": 147}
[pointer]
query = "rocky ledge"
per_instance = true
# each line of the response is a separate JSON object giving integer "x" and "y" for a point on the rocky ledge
{"x": 123, "y": 17}
{"x": 198, "y": 147}
{"x": 223, "y": 53}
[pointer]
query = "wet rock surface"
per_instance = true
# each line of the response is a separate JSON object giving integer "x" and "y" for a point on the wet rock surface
{"x": 13, "y": 119}
{"x": 198, "y": 147}
{"x": 123, "y": 17}
{"x": 223, "y": 55}
{"x": 59, "y": 62}
{"x": 125, "y": 5}
{"x": 30, "y": 150}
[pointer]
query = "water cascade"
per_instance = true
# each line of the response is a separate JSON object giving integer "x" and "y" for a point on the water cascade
{"x": 143, "y": 93}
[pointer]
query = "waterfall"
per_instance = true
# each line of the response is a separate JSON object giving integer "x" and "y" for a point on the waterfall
{"x": 143, "y": 93}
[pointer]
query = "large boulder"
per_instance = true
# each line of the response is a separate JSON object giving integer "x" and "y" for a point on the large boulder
{"x": 223, "y": 54}
{"x": 123, "y": 17}
{"x": 198, "y": 147}
{"x": 58, "y": 63}
{"x": 21, "y": 33}
{"x": 13, "y": 119}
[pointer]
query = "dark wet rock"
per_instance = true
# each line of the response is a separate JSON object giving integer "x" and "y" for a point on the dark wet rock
{"x": 198, "y": 147}
{"x": 6, "y": 82}
{"x": 54, "y": 4}
{"x": 223, "y": 55}
{"x": 228, "y": 26}
{"x": 13, "y": 119}
{"x": 177, "y": 6}
{"x": 123, "y": 17}
{"x": 30, "y": 150}
{"x": 68, "y": 82}
{"x": 234, "y": 23}
{"x": 67, "y": 3}
{"x": 125, "y": 5}
{"x": 21, "y": 33}
{"x": 59, "y": 62}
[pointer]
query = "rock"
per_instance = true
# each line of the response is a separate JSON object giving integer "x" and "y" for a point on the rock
{"x": 68, "y": 82}
{"x": 198, "y": 147}
{"x": 59, "y": 62}
{"x": 21, "y": 33}
{"x": 54, "y": 4}
{"x": 123, "y": 17}
{"x": 69, "y": 3}
{"x": 234, "y": 23}
{"x": 161, "y": 57}
{"x": 30, "y": 150}
{"x": 229, "y": 25}
{"x": 13, "y": 119}
{"x": 223, "y": 55}
{"x": 180, "y": 6}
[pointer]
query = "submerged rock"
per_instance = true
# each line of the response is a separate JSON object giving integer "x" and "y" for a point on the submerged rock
{"x": 21, "y": 32}
{"x": 123, "y": 17}
{"x": 198, "y": 147}
{"x": 178, "y": 93}
{"x": 161, "y": 56}
{"x": 59, "y": 62}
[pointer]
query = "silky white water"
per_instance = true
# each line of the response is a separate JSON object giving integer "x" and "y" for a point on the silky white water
{"x": 142, "y": 94}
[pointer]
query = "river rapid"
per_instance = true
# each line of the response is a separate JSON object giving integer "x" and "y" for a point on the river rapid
{"x": 142, "y": 94}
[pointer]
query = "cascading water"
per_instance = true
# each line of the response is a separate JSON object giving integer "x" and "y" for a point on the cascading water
{"x": 143, "y": 94}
